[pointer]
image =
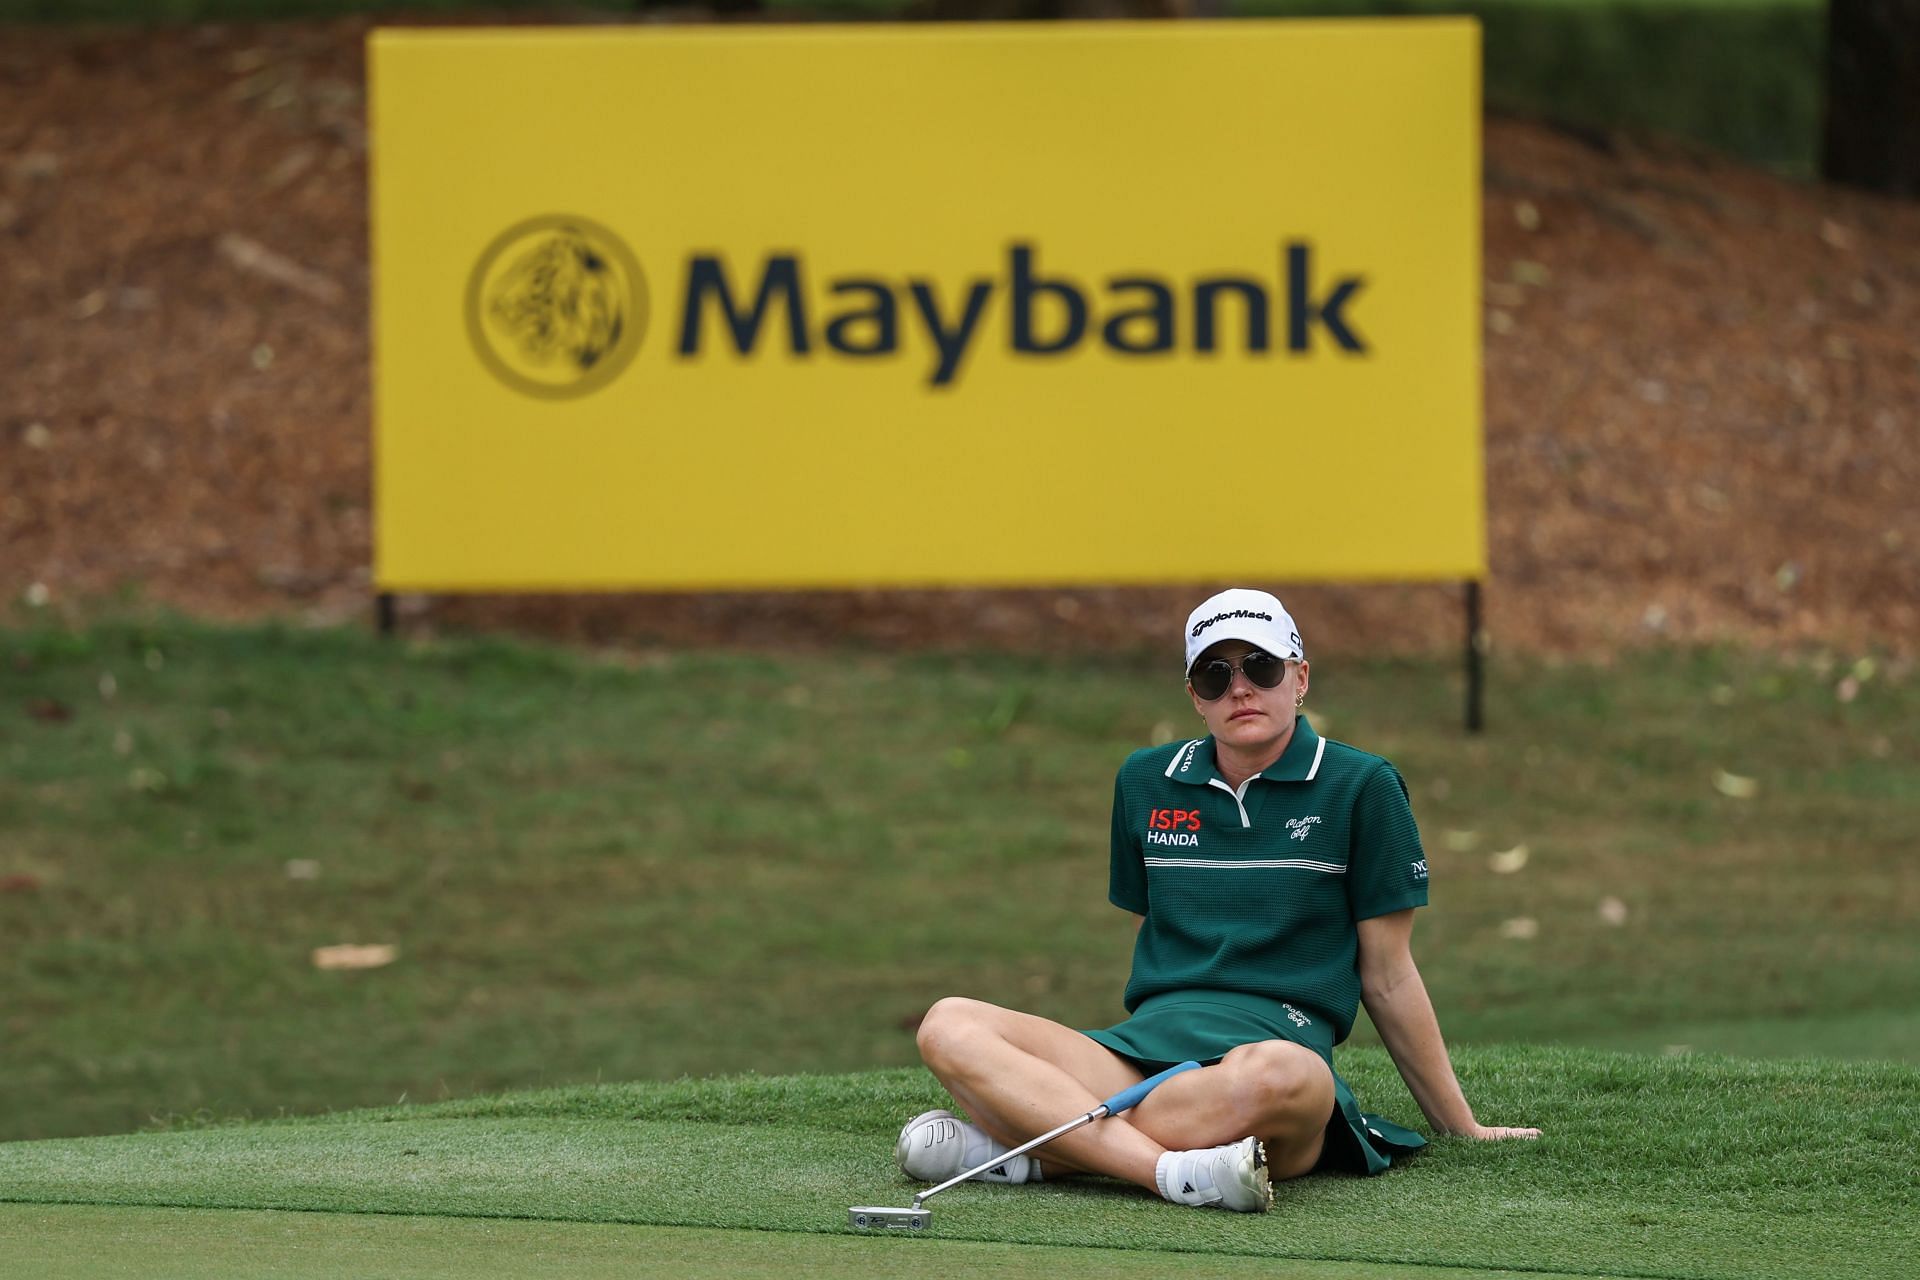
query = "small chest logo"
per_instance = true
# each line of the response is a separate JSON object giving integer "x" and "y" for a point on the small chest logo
{"x": 1299, "y": 827}
{"x": 1173, "y": 826}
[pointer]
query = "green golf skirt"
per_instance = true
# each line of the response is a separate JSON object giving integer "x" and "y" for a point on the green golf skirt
{"x": 1201, "y": 1026}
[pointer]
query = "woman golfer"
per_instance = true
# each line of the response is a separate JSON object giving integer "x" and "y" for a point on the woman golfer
{"x": 1275, "y": 873}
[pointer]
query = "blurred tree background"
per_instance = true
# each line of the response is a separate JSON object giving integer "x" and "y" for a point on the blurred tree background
{"x": 1751, "y": 77}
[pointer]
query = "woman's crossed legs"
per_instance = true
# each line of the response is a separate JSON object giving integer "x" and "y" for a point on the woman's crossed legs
{"x": 1019, "y": 1075}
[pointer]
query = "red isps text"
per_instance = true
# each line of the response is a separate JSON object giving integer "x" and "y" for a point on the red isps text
{"x": 1174, "y": 819}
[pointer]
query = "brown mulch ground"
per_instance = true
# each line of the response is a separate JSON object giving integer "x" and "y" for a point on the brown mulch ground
{"x": 1703, "y": 384}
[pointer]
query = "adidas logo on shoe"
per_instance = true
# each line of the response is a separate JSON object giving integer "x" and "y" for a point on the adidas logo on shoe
{"x": 1233, "y": 1176}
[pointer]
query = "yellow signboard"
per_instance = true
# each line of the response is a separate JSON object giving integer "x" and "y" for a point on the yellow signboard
{"x": 980, "y": 304}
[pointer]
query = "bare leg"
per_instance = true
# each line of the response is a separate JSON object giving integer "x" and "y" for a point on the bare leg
{"x": 1018, "y": 1076}
{"x": 1278, "y": 1091}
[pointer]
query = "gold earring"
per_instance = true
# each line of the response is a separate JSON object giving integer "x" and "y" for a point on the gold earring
{"x": 1300, "y": 701}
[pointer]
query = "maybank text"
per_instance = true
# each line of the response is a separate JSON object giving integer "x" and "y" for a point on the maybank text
{"x": 1134, "y": 315}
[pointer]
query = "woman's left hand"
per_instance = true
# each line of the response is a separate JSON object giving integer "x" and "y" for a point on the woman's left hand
{"x": 1495, "y": 1133}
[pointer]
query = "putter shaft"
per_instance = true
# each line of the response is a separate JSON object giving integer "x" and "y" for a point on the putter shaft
{"x": 917, "y": 1218}
{"x": 1095, "y": 1114}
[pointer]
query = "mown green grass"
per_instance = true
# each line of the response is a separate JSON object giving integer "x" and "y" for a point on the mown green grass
{"x": 1684, "y": 1167}
{"x": 643, "y": 865}
{"x": 87, "y": 1242}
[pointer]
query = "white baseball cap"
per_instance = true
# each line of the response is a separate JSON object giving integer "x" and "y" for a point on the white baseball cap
{"x": 1241, "y": 614}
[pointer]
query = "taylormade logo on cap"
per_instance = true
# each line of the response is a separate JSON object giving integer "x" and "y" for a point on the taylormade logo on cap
{"x": 1198, "y": 627}
{"x": 1242, "y": 614}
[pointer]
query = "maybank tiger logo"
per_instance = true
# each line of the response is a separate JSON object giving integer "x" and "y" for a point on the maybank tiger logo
{"x": 556, "y": 307}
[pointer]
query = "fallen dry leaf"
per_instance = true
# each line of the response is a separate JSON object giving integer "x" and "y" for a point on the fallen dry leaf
{"x": 351, "y": 956}
{"x": 252, "y": 256}
{"x": 1507, "y": 861}
{"x": 1613, "y": 911}
{"x": 1520, "y": 928}
{"x": 1735, "y": 786}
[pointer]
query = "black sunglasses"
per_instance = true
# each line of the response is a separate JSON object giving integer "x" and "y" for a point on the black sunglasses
{"x": 1212, "y": 679}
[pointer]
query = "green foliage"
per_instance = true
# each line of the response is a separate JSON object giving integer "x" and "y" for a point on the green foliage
{"x": 157, "y": 11}
{"x": 1742, "y": 76}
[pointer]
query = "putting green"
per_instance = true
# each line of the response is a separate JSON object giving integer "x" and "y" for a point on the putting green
{"x": 95, "y": 1242}
{"x": 1695, "y": 1168}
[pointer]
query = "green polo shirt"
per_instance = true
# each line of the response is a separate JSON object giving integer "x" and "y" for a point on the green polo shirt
{"x": 1258, "y": 890}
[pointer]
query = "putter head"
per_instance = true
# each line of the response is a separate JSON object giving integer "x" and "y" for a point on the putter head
{"x": 868, "y": 1218}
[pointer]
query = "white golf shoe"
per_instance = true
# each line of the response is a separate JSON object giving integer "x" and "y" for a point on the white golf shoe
{"x": 1233, "y": 1176}
{"x": 935, "y": 1146}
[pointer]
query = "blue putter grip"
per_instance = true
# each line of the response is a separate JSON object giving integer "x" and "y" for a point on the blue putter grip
{"x": 1131, "y": 1097}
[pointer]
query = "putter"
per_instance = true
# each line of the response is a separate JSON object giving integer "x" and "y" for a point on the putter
{"x": 916, "y": 1218}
